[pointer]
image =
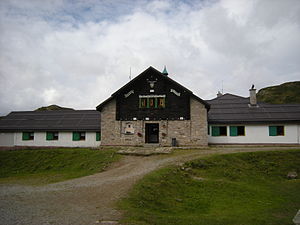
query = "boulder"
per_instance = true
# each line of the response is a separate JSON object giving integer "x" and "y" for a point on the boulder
{"x": 292, "y": 175}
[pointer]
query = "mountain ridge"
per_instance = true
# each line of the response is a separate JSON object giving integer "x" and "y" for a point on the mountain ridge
{"x": 52, "y": 107}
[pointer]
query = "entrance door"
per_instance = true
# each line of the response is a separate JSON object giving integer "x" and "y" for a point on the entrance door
{"x": 152, "y": 133}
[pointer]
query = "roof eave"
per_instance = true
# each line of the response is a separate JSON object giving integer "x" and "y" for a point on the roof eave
{"x": 207, "y": 106}
{"x": 100, "y": 106}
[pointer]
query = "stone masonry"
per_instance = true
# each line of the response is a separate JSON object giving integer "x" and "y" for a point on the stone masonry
{"x": 191, "y": 132}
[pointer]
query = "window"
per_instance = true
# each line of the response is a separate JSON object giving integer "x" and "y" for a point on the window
{"x": 276, "y": 130}
{"x": 26, "y": 136}
{"x": 98, "y": 136}
{"x": 219, "y": 131}
{"x": 237, "y": 130}
{"x": 161, "y": 102}
{"x": 78, "y": 136}
{"x": 51, "y": 136}
{"x": 151, "y": 101}
{"x": 143, "y": 103}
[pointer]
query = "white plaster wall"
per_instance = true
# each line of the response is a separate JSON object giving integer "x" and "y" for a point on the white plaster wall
{"x": 258, "y": 134}
{"x": 298, "y": 134}
{"x": 7, "y": 139}
{"x": 64, "y": 140}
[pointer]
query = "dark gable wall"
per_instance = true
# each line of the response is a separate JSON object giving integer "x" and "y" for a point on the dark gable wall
{"x": 175, "y": 106}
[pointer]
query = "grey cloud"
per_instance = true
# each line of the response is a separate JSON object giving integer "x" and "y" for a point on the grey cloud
{"x": 76, "y": 55}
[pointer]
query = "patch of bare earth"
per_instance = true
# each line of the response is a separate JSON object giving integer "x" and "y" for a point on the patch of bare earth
{"x": 91, "y": 199}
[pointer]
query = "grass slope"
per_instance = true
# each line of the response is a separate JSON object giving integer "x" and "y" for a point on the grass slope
{"x": 52, "y": 165}
{"x": 281, "y": 94}
{"x": 243, "y": 188}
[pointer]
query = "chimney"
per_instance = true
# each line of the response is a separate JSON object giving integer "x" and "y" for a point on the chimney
{"x": 252, "y": 91}
{"x": 219, "y": 94}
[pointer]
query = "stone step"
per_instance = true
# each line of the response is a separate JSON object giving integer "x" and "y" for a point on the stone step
{"x": 145, "y": 151}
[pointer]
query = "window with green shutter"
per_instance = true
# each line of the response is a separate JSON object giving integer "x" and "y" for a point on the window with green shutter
{"x": 272, "y": 131}
{"x": 98, "y": 136}
{"x": 215, "y": 131}
{"x": 26, "y": 136}
{"x": 276, "y": 130}
{"x": 78, "y": 136}
{"x": 152, "y": 101}
{"x": 51, "y": 136}
{"x": 237, "y": 130}
{"x": 233, "y": 131}
{"x": 219, "y": 131}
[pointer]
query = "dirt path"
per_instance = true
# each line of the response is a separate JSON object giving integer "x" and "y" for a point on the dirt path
{"x": 88, "y": 200}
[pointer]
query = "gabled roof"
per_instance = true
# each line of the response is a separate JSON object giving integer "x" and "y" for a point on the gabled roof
{"x": 56, "y": 120}
{"x": 233, "y": 109}
{"x": 150, "y": 69}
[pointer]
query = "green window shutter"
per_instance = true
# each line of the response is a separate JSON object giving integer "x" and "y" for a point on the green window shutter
{"x": 156, "y": 102}
{"x": 49, "y": 136}
{"x": 233, "y": 131}
{"x": 272, "y": 131}
{"x": 98, "y": 136}
{"x": 148, "y": 103}
{"x": 140, "y": 103}
{"x": 215, "y": 131}
{"x": 25, "y": 136}
{"x": 76, "y": 136}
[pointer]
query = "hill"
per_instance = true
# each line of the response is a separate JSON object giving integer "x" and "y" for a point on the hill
{"x": 52, "y": 107}
{"x": 280, "y": 94}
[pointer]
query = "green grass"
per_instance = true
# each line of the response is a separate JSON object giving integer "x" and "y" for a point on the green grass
{"x": 52, "y": 165}
{"x": 235, "y": 189}
{"x": 281, "y": 94}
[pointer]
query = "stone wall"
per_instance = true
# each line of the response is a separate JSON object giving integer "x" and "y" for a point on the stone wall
{"x": 110, "y": 128}
{"x": 198, "y": 123}
{"x": 191, "y": 132}
{"x": 187, "y": 132}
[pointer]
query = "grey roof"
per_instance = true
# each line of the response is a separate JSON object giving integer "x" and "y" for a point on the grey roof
{"x": 57, "y": 120}
{"x": 232, "y": 109}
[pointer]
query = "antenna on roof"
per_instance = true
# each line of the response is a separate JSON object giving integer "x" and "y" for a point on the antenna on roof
{"x": 130, "y": 73}
{"x": 222, "y": 87}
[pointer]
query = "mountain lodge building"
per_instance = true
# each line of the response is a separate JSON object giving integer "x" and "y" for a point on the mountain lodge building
{"x": 154, "y": 109}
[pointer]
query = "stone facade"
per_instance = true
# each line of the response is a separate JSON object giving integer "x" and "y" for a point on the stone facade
{"x": 191, "y": 132}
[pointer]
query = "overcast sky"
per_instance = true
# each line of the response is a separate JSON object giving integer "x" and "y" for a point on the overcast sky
{"x": 76, "y": 53}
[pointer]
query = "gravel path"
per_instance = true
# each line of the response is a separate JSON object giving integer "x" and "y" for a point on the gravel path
{"x": 88, "y": 200}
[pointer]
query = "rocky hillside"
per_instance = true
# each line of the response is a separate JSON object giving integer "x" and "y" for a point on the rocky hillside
{"x": 52, "y": 107}
{"x": 280, "y": 94}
